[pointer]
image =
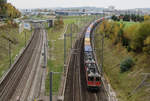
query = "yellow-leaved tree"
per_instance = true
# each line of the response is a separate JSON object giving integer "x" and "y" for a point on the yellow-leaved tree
{"x": 146, "y": 17}
{"x": 146, "y": 48}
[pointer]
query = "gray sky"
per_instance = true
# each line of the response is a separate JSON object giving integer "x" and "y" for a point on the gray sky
{"x": 119, "y": 4}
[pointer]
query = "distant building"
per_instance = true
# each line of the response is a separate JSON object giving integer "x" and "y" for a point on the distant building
{"x": 110, "y": 11}
{"x": 62, "y": 13}
{"x": 111, "y": 7}
{"x": 68, "y": 13}
{"x": 84, "y": 10}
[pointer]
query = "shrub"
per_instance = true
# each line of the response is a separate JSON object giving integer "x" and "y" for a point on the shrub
{"x": 129, "y": 48}
{"x": 146, "y": 50}
{"x": 126, "y": 64}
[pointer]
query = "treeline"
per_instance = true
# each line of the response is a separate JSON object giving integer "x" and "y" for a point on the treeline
{"x": 134, "y": 38}
{"x": 127, "y": 17}
{"x": 9, "y": 11}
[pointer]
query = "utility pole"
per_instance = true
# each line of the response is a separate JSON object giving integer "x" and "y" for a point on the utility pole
{"x": 71, "y": 35}
{"x": 45, "y": 62}
{"x": 66, "y": 35}
{"x": 9, "y": 52}
{"x": 51, "y": 84}
{"x": 64, "y": 49}
{"x": 25, "y": 35}
{"x": 102, "y": 56}
{"x": 103, "y": 13}
{"x": 51, "y": 81}
{"x": 9, "y": 48}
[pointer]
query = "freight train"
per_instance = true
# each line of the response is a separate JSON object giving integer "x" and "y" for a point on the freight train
{"x": 93, "y": 77}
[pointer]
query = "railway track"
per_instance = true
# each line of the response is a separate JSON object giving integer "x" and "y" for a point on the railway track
{"x": 17, "y": 84}
{"x": 29, "y": 71}
{"x": 76, "y": 88}
{"x": 73, "y": 90}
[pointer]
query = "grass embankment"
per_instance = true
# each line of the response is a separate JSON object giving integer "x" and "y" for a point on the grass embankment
{"x": 56, "y": 50}
{"x": 18, "y": 43}
{"x": 127, "y": 24}
{"x": 124, "y": 83}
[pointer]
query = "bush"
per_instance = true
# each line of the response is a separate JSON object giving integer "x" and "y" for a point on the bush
{"x": 146, "y": 50}
{"x": 129, "y": 48}
{"x": 126, "y": 64}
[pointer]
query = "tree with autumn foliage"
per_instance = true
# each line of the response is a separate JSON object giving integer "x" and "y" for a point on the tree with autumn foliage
{"x": 129, "y": 37}
{"x": 146, "y": 18}
{"x": 146, "y": 48}
{"x": 105, "y": 28}
{"x": 113, "y": 31}
{"x": 135, "y": 37}
{"x": 9, "y": 11}
{"x": 58, "y": 23}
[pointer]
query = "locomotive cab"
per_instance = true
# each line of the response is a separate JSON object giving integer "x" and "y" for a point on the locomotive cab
{"x": 93, "y": 82}
{"x": 93, "y": 77}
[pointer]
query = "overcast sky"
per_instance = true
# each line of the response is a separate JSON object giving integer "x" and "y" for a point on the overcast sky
{"x": 119, "y": 4}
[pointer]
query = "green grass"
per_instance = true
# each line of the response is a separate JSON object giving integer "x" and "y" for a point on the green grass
{"x": 56, "y": 44}
{"x": 124, "y": 83}
{"x": 14, "y": 35}
{"x": 79, "y": 17}
{"x": 127, "y": 23}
